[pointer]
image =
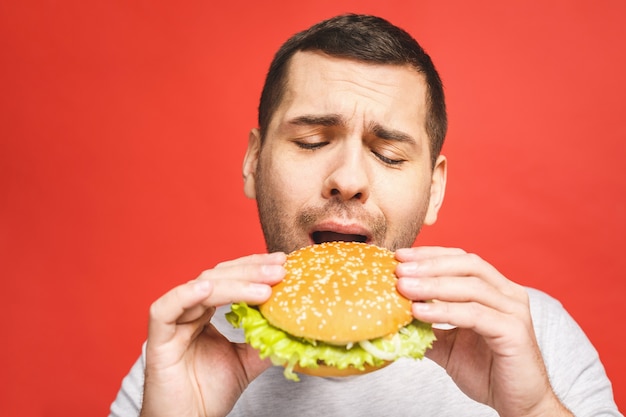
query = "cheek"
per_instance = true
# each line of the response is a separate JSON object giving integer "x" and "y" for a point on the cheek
{"x": 402, "y": 200}
{"x": 290, "y": 185}
{"x": 296, "y": 182}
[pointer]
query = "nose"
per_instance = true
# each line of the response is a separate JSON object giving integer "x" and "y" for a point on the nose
{"x": 348, "y": 178}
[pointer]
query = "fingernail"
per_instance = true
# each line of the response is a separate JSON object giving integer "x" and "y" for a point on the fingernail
{"x": 261, "y": 291}
{"x": 280, "y": 256}
{"x": 273, "y": 270}
{"x": 421, "y": 307}
{"x": 202, "y": 286}
{"x": 410, "y": 283}
{"x": 407, "y": 267}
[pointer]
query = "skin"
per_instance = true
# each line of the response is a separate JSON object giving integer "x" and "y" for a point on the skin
{"x": 346, "y": 155}
{"x": 347, "y": 140}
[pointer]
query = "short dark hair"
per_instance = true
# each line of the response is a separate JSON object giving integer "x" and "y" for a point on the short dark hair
{"x": 363, "y": 38}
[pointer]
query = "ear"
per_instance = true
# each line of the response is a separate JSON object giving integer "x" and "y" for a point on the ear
{"x": 250, "y": 162}
{"x": 437, "y": 190}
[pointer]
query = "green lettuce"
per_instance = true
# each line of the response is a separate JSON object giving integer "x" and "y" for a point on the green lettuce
{"x": 288, "y": 351}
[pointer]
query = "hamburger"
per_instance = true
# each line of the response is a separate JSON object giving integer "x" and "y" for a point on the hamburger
{"x": 337, "y": 312}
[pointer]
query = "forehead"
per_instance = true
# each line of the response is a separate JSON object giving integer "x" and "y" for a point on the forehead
{"x": 317, "y": 83}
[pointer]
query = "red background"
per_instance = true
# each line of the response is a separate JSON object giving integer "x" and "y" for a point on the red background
{"x": 123, "y": 125}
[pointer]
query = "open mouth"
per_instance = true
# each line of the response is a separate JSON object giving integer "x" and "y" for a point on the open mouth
{"x": 328, "y": 236}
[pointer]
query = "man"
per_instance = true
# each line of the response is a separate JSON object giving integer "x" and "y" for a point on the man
{"x": 351, "y": 123}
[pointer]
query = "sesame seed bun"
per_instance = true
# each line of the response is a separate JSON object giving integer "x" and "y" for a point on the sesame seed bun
{"x": 339, "y": 293}
{"x": 333, "y": 372}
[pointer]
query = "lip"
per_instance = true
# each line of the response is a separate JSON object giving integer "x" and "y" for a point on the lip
{"x": 351, "y": 230}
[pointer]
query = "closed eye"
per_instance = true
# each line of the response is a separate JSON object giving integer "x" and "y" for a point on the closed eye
{"x": 388, "y": 161}
{"x": 310, "y": 145}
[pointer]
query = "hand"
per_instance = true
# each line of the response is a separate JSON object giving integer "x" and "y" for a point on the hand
{"x": 191, "y": 369}
{"x": 493, "y": 355}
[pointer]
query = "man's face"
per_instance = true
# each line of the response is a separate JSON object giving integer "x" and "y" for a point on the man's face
{"x": 346, "y": 157}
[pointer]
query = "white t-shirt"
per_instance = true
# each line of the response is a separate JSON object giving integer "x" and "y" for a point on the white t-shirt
{"x": 409, "y": 387}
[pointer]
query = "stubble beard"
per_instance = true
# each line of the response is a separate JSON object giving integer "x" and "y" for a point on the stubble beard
{"x": 286, "y": 235}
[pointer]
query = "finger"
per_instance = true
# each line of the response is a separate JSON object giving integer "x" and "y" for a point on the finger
{"x": 242, "y": 282}
{"x": 489, "y": 323}
{"x": 167, "y": 310}
{"x": 195, "y": 314}
{"x": 456, "y": 289}
{"x": 424, "y": 252}
{"x": 456, "y": 264}
{"x": 197, "y": 326}
{"x": 188, "y": 330}
{"x": 263, "y": 273}
{"x": 234, "y": 291}
{"x": 275, "y": 258}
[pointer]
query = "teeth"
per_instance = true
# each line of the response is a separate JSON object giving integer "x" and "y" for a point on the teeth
{"x": 329, "y": 236}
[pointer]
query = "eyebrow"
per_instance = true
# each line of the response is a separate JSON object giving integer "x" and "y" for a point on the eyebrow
{"x": 326, "y": 120}
{"x": 382, "y": 132}
{"x": 333, "y": 120}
